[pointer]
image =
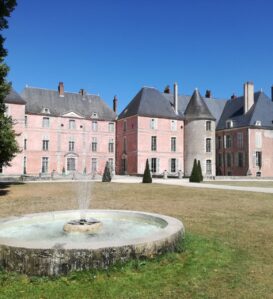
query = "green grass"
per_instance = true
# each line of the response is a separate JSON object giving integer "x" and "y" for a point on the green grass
{"x": 263, "y": 184}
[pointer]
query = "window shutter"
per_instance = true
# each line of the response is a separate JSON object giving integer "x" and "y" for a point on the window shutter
{"x": 170, "y": 165}
{"x": 176, "y": 165}
{"x": 157, "y": 166}
{"x": 150, "y": 163}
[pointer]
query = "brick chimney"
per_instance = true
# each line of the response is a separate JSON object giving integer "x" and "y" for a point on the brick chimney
{"x": 167, "y": 89}
{"x": 61, "y": 89}
{"x": 248, "y": 96}
{"x": 82, "y": 92}
{"x": 208, "y": 94}
{"x": 175, "y": 97}
{"x": 115, "y": 104}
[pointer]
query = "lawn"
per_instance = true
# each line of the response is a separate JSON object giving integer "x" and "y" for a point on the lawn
{"x": 227, "y": 253}
{"x": 263, "y": 184}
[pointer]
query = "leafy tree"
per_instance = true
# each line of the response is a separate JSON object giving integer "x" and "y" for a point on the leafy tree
{"x": 107, "y": 173}
{"x": 200, "y": 171}
{"x": 8, "y": 145}
{"x": 147, "y": 178}
{"x": 195, "y": 177}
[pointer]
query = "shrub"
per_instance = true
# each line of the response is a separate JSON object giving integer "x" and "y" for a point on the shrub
{"x": 107, "y": 173}
{"x": 147, "y": 178}
{"x": 200, "y": 171}
{"x": 195, "y": 177}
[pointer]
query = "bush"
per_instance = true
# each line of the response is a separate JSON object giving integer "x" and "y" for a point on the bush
{"x": 200, "y": 171}
{"x": 147, "y": 178}
{"x": 107, "y": 173}
{"x": 195, "y": 177}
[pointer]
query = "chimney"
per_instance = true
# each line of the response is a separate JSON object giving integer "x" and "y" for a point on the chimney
{"x": 175, "y": 94}
{"x": 82, "y": 92}
{"x": 208, "y": 94}
{"x": 167, "y": 89}
{"x": 61, "y": 89}
{"x": 115, "y": 104}
{"x": 272, "y": 93}
{"x": 233, "y": 97}
{"x": 248, "y": 96}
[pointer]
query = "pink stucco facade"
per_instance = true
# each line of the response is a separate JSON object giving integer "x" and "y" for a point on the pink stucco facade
{"x": 159, "y": 140}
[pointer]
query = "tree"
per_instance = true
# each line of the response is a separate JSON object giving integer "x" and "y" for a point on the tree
{"x": 107, "y": 173}
{"x": 147, "y": 178}
{"x": 200, "y": 171}
{"x": 8, "y": 145}
{"x": 195, "y": 178}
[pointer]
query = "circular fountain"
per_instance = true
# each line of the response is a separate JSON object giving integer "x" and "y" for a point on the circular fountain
{"x": 53, "y": 244}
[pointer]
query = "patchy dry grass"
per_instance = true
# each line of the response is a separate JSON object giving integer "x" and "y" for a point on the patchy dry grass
{"x": 262, "y": 184}
{"x": 229, "y": 245}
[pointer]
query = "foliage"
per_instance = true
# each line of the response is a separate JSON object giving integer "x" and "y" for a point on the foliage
{"x": 200, "y": 171}
{"x": 8, "y": 145}
{"x": 147, "y": 178}
{"x": 107, "y": 173}
{"x": 195, "y": 177}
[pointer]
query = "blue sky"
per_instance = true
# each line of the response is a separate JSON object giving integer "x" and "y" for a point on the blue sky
{"x": 114, "y": 47}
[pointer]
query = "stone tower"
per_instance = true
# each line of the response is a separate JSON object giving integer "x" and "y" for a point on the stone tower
{"x": 199, "y": 136}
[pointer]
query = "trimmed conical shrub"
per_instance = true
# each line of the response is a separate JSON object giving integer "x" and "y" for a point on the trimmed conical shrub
{"x": 194, "y": 178}
{"x": 200, "y": 171}
{"x": 147, "y": 178}
{"x": 107, "y": 173}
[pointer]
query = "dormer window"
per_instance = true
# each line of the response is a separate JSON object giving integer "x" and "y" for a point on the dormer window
{"x": 94, "y": 115}
{"x": 72, "y": 124}
{"x": 258, "y": 123}
{"x": 153, "y": 123}
{"x": 46, "y": 111}
{"x": 229, "y": 124}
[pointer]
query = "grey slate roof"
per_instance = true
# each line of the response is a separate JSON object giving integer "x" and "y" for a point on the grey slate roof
{"x": 151, "y": 102}
{"x": 37, "y": 99}
{"x": 14, "y": 98}
{"x": 262, "y": 110}
{"x": 197, "y": 108}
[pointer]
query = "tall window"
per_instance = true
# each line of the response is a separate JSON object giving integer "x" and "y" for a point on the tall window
{"x": 72, "y": 124}
{"x": 240, "y": 140}
{"x": 153, "y": 165}
{"x": 45, "y": 145}
{"x": 1, "y": 168}
{"x": 208, "y": 125}
{"x": 94, "y": 126}
{"x": 25, "y": 144}
{"x": 173, "y": 165}
{"x": 111, "y": 163}
{"x": 240, "y": 159}
{"x": 219, "y": 142}
{"x": 208, "y": 167}
{"x": 125, "y": 125}
{"x": 173, "y": 144}
{"x": 111, "y": 145}
{"x": 45, "y": 122}
{"x": 258, "y": 159}
{"x": 94, "y": 165}
{"x": 25, "y": 121}
{"x": 25, "y": 165}
{"x": 111, "y": 127}
{"x": 153, "y": 123}
{"x": 44, "y": 164}
{"x": 71, "y": 164}
{"x": 219, "y": 160}
{"x": 153, "y": 143}
{"x": 228, "y": 141}
{"x": 94, "y": 144}
{"x": 258, "y": 139}
{"x": 124, "y": 165}
{"x": 208, "y": 145}
{"x": 124, "y": 145}
{"x": 173, "y": 125}
{"x": 71, "y": 146}
{"x": 228, "y": 159}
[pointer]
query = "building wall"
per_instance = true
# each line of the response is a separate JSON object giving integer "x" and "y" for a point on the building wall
{"x": 195, "y": 146}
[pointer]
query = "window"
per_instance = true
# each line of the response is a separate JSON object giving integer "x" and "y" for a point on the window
{"x": 173, "y": 125}
{"x": 94, "y": 144}
{"x": 208, "y": 167}
{"x": 111, "y": 163}
{"x": 240, "y": 159}
{"x": 124, "y": 165}
{"x": 208, "y": 145}
{"x": 94, "y": 126}
{"x": 124, "y": 145}
{"x": 173, "y": 144}
{"x": 173, "y": 165}
{"x": 25, "y": 144}
{"x": 25, "y": 121}
{"x": 228, "y": 159}
{"x": 153, "y": 123}
{"x": 124, "y": 125}
{"x": 258, "y": 139}
{"x": 72, "y": 124}
{"x": 258, "y": 159}
{"x": 1, "y": 168}
{"x": 25, "y": 165}
{"x": 208, "y": 125}
{"x": 45, "y": 122}
{"x": 71, "y": 164}
{"x": 229, "y": 124}
{"x": 240, "y": 140}
{"x": 111, "y": 127}
{"x": 111, "y": 145}
{"x": 258, "y": 123}
{"x": 94, "y": 165}
{"x": 153, "y": 165}
{"x": 45, "y": 165}
{"x": 228, "y": 141}
{"x": 46, "y": 110}
{"x": 71, "y": 146}
{"x": 45, "y": 145}
{"x": 219, "y": 142}
{"x": 153, "y": 143}
{"x": 219, "y": 160}
{"x": 94, "y": 115}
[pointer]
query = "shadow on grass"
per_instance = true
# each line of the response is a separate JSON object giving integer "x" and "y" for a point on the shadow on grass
{"x": 5, "y": 187}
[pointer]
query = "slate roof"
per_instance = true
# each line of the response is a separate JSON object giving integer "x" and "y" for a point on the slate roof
{"x": 84, "y": 105}
{"x": 197, "y": 108}
{"x": 151, "y": 102}
{"x": 14, "y": 98}
{"x": 262, "y": 110}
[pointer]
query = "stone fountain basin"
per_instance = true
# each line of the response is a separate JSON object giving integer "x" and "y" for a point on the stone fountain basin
{"x": 34, "y": 244}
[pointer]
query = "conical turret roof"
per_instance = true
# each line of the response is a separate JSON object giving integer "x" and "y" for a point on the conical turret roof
{"x": 197, "y": 108}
